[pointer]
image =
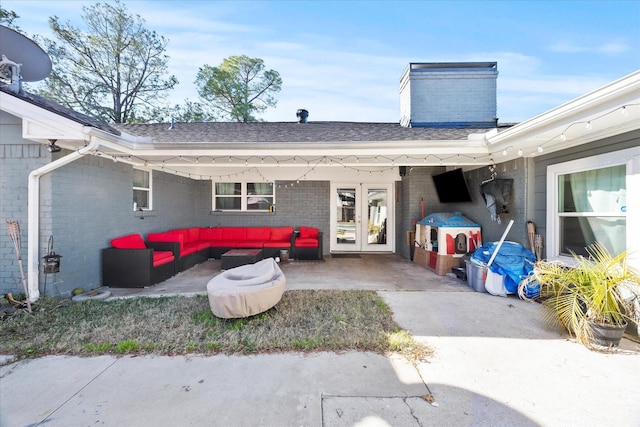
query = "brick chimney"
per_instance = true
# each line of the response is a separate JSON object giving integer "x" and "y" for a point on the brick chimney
{"x": 453, "y": 94}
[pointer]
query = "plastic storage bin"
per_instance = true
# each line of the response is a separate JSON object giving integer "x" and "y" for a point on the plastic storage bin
{"x": 476, "y": 276}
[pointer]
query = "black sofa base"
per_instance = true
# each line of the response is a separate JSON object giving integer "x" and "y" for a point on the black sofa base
{"x": 133, "y": 268}
{"x": 193, "y": 259}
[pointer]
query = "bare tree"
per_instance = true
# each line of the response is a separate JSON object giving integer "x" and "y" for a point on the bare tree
{"x": 114, "y": 71}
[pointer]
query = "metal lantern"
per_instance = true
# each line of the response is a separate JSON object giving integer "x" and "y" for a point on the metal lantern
{"x": 51, "y": 261}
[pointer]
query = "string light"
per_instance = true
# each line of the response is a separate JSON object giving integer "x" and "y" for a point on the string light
{"x": 312, "y": 164}
{"x": 588, "y": 125}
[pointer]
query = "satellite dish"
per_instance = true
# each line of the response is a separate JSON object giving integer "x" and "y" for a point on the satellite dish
{"x": 34, "y": 63}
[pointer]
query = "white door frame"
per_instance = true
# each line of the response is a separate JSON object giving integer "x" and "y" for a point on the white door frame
{"x": 357, "y": 233}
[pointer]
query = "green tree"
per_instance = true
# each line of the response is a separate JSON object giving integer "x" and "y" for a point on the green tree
{"x": 239, "y": 88}
{"x": 7, "y": 17}
{"x": 114, "y": 71}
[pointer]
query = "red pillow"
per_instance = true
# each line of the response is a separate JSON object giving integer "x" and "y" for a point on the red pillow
{"x": 281, "y": 234}
{"x": 308, "y": 232}
{"x": 132, "y": 241}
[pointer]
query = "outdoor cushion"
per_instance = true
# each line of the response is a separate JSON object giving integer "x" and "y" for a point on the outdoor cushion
{"x": 277, "y": 244}
{"x": 162, "y": 257}
{"x": 306, "y": 243}
{"x": 224, "y": 243}
{"x": 234, "y": 233}
{"x": 258, "y": 233}
{"x": 132, "y": 241}
{"x": 190, "y": 248}
{"x": 250, "y": 244}
{"x": 281, "y": 234}
{"x": 168, "y": 236}
{"x": 246, "y": 290}
{"x": 308, "y": 232}
{"x": 211, "y": 233}
{"x": 191, "y": 234}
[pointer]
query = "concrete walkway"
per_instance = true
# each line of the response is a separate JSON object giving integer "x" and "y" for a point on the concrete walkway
{"x": 495, "y": 364}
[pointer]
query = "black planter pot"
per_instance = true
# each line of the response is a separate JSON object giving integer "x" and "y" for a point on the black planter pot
{"x": 607, "y": 335}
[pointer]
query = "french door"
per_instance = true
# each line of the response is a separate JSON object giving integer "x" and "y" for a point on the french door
{"x": 362, "y": 217}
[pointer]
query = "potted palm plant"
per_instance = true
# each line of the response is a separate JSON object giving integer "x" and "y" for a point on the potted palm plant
{"x": 592, "y": 299}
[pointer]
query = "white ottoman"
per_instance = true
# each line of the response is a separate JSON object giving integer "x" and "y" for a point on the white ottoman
{"x": 246, "y": 290}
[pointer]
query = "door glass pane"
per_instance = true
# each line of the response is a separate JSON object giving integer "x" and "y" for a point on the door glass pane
{"x": 377, "y": 222}
{"x": 346, "y": 215}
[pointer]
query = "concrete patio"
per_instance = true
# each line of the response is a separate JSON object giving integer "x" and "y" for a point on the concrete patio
{"x": 379, "y": 272}
{"x": 494, "y": 363}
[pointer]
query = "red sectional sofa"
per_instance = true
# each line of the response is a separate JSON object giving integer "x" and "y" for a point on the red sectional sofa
{"x": 196, "y": 244}
{"x": 132, "y": 263}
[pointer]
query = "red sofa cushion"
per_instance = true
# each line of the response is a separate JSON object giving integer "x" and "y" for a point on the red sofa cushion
{"x": 281, "y": 234}
{"x": 234, "y": 233}
{"x": 249, "y": 244}
{"x": 191, "y": 234}
{"x": 210, "y": 234}
{"x": 162, "y": 257}
{"x": 169, "y": 236}
{"x": 224, "y": 243}
{"x": 282, "y": 244}
{"x": 132, "y": 241}
{"x": 308, "y": 232}
{"x": 306, "y": 243}
{"x": 258, "y": 233}
{"x": 192, "y": 247}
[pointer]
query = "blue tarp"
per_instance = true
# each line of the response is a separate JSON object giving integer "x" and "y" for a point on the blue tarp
{"x": 513, "y": 261}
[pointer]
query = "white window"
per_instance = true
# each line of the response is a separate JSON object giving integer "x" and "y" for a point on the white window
{"x": 142, "y": 189}
{"x": 243, "y": 196}
{"x": 587, "y": 202}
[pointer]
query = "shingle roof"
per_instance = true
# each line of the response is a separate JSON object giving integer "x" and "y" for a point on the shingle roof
{"x": 70, "y": 114}
{"x": 292, "y": 132}
{"x": 260, "y": 132}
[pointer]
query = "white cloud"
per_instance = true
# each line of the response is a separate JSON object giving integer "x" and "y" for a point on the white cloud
{"x": 613, "y": 47}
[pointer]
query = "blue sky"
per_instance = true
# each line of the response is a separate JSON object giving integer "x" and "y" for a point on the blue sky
{"x": 342, "y": 60}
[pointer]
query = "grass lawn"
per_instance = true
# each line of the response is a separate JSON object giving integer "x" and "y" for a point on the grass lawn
{"x": 304, "y": 320}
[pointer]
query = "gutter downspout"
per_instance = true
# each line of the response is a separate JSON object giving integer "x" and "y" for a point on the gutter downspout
{"x": 33, "y": 214}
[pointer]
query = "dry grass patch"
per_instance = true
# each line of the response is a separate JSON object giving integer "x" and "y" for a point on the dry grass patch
{"x": 302, "y": 321}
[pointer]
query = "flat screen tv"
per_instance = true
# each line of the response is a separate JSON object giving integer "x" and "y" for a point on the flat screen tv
{"x": 452, "y": 187}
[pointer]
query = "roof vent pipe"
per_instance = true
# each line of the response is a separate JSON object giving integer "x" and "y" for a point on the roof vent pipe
{"x": 302, "y": 115}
